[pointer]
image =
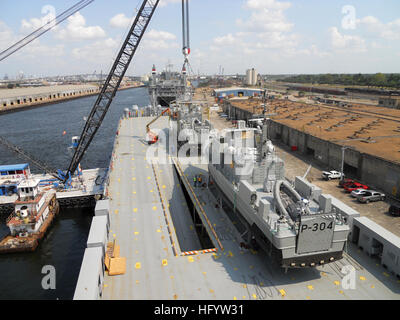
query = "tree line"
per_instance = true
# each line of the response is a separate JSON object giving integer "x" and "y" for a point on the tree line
{"x": 391, "y": 80}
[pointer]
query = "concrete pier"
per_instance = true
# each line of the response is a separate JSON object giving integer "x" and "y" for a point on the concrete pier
{"x": 25, "y": 98}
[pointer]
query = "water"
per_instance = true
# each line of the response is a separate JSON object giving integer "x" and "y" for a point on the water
{"x": 40, "y": 132}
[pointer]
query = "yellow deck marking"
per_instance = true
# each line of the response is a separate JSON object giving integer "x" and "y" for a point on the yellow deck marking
{"x": 282, "y": 292}
{"x": 151, "y": 191}
{"x": 158, "y": 230}
{"x": 190, "y": 259}
{"x": 135, "y": 210}
{"x": 133, "y": 159}
{"x": 336, "y": 283}
{"x": 148, "y": 178}
{"x": 362, "y": 278}
{"x": 119, "y": 180}
{"x": 154, "y": 208}
{"x": 163, "y": 186}
{"x": 136, "y": 233}
{"x": 116, "y": 211}
{"x": 133, "y": 179}
{"x": 310, "y": 287}
{"x": 138, "y": 265}
{"x": 164, "y": 262}
{"x": 234, "y": 298}
{"x": 106, "y": 285}
{"x": 341, "y": 292}
{"x": 254, "y": 296}
{"x": 372, "y": 286}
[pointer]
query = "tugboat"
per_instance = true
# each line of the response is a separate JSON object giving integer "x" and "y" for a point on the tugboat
{"x": 34, "y": 212}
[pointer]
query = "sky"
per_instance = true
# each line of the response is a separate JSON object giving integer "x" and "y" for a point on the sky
{"x": 274, "y": 37}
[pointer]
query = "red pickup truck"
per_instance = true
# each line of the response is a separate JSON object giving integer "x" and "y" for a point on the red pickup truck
{"x": 354, "y": 186}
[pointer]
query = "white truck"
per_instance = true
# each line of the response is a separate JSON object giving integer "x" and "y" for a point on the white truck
{"x": 329, "y": 175}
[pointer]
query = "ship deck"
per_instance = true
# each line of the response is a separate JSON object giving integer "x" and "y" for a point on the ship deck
{"x": 150, "y": 219}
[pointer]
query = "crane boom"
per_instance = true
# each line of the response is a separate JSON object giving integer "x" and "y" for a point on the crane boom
{"x": 155, "y": 119}
{"x": 113, "y": 81}
{"x": 43, "y": 29}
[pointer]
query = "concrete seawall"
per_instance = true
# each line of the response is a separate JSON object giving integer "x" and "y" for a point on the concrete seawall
{"x": 14, "y": 100}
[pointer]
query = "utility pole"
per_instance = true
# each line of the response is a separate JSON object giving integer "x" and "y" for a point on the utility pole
{"x": 342, "y": 166}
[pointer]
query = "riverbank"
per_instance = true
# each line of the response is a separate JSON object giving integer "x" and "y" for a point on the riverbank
{"x": 40, "y": 99}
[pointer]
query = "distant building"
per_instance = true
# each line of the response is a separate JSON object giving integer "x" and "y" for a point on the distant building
{"x": 251, "y": 77}
{"x": 390, "y": 102}
{"x": 236, "y": 92}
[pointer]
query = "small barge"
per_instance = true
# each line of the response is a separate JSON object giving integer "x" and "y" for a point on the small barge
{"x": 34, "y": 211}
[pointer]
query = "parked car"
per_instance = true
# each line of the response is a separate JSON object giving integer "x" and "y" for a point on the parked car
{"x": 343, "y": 182}
{"x": 371, "y": 195}
{"x": 354, "y": 186}
{"x": 394, "y": 210}
{"x": 328, "y": 175}
{"x": 358, "y": 192}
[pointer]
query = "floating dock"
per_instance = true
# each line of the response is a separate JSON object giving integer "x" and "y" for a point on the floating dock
{"x": 180, "y": 244}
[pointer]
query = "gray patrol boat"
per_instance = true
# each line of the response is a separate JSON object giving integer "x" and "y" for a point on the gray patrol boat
{"x": 297, "y": 231}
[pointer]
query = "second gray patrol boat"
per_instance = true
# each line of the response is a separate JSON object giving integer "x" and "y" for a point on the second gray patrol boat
{"x": 295, "y": 231}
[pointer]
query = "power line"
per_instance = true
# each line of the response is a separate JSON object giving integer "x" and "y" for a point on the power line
{"x": 43, "y": 29}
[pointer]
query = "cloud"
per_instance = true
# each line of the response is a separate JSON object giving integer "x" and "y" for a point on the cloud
{"x": 100, "y": 51}
{"x": 120, "y": 21}
{"x": 77, "y": 30}
{"x": 229, "y": 39}
{"x": 6, "y": 36}
{"x": 34, "y": 50}
{"x": 267, "y": 4}
{"x": 387, "y": 31}
{"x": 160, "y": 35}
{"x": 164, "y": 3}
{"x": 267, "y": 16}
{"x": 265, "y": 28}
{"x": 346, "y": 42}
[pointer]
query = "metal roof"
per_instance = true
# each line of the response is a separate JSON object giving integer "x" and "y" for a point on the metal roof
{"x": 13, "y": 167}
{"x": 237, "y": 88}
